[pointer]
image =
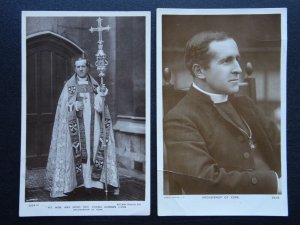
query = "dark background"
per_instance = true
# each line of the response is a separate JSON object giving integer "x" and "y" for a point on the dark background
{"x": 10, "y": 113}
{"x": 259, "y": 41}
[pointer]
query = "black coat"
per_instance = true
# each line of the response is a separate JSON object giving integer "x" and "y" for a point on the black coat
{"x": 208, "y": 154}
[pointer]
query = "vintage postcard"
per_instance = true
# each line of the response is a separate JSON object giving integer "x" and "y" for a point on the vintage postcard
{"x": 85, "y": 146}
{"x": 221, "y": 112}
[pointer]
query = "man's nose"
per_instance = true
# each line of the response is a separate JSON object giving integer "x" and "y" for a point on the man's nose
{"x": 237, "y": 68}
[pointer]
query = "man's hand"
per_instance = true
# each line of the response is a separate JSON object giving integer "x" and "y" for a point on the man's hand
{"x": 102, "y": 91}
{"x": 78, "y": 105}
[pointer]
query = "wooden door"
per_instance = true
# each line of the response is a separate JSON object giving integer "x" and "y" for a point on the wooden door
{"x": 49, "y": 65}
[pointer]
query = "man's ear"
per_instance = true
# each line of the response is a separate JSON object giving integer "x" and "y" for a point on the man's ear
{"x": 198, "y": 71}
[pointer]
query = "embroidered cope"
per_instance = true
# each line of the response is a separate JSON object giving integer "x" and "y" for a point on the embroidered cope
{"x": 76, "y": 137}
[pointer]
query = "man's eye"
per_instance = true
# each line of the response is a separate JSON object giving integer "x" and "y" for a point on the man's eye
{"x": 227, "y": 60}
{"x": 230, "y": 59}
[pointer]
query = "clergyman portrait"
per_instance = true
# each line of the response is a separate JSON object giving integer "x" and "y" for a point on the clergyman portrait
{"x": 221, "y": 100}
{"x": 85, "y": 108}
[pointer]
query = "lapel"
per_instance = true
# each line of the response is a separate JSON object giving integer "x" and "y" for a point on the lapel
{"x": 248, "y": 110}
{"x": 199, "y": 98}
{"x": 231, "y": 116}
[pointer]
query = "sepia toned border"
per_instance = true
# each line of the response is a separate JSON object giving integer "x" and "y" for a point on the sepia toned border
{"x": 205, "y": 205}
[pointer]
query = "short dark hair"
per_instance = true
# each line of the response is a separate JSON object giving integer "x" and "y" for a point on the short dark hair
{"x": 196, "y": 50}
{"x": 82, "y": 58}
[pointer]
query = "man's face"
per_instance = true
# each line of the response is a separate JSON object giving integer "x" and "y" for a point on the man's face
{"x": 81, "y": 68}
{"x": 222, "y": 75}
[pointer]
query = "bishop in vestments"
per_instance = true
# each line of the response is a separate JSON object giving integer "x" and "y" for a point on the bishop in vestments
{"x": 80, "y": 140}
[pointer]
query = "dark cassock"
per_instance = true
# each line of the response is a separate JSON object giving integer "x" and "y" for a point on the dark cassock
{"x": 217, "y": 141}
{"x": 220, "y": 144}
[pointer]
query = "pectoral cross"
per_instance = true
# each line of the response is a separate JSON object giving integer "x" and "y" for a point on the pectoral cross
{"x": 252, "y": 144}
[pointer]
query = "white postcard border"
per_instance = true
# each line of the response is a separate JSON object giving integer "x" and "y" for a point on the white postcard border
{"x": 86, "y": 208}
{"x": 218, "y": 205}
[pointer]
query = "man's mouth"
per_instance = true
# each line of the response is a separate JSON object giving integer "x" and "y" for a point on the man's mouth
{"x": 234, "y": 80}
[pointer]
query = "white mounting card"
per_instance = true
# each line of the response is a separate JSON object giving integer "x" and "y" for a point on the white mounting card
{"x": 201, "y": 169}
{"x": 117, "y": 45}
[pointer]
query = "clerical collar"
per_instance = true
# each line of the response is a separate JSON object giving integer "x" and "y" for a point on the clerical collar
{"x": 216, "y": 98}
{"x": 82, "y": 79}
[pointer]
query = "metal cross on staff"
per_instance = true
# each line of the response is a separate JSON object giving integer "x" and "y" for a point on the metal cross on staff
{"x": 101, "y": 64}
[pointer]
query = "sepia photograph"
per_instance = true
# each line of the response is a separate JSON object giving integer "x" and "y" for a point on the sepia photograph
{"x": 85, "y": 113}
{"x": 221, "y": 111}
